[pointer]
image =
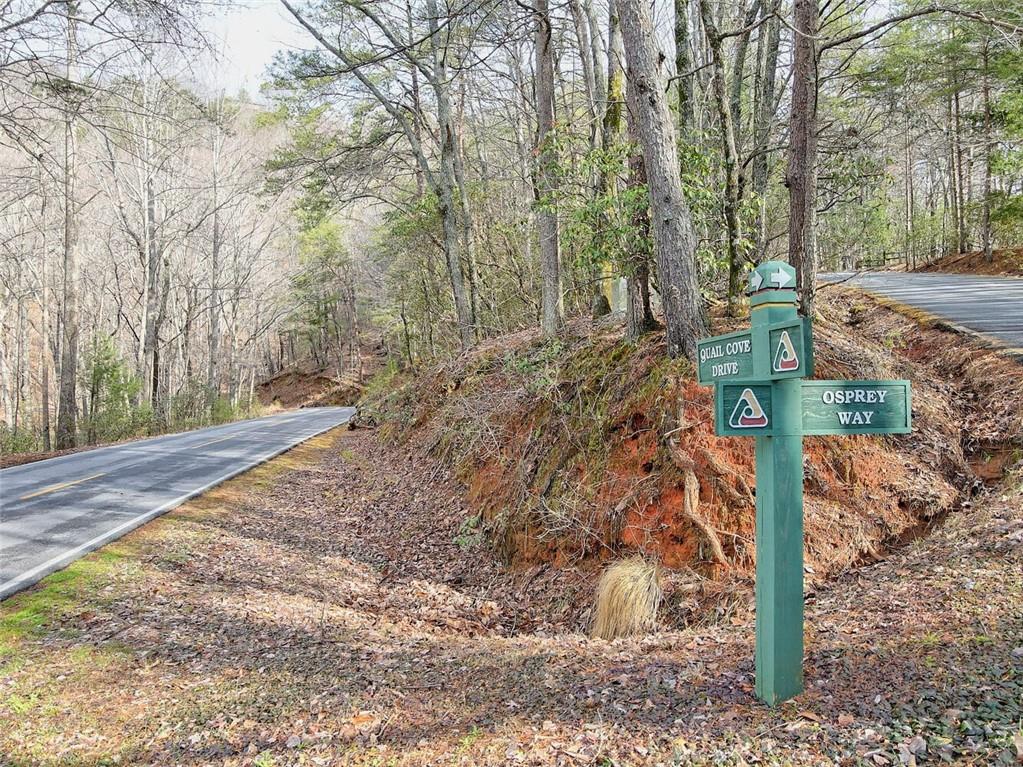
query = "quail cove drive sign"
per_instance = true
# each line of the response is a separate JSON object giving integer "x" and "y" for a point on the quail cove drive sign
{"x": 777, "y": 350}
{"x": 760, "y": 392}
{"x": 725, "y": 357}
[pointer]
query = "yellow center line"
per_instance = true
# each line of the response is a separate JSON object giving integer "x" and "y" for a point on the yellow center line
{"x": 55, "y": 488}
{"x": 214, "y": 441}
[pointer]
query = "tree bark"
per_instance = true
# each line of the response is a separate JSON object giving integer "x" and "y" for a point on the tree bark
{"x": 582, "y": 36}
{"x": 639, "y": 317}
{"x": 989, "y": 253}
{"x": 468, "y": 244}
{"x": 212, "y": 372}
{"x": 963, "y": 194}
{"x": 553, "y": 312}
{"x": 763, "y": 115}
{"x": 445, "y": 184}
{"x": 597, "y": 55}
{"x": 672, "y": 225}
{"x": 683, "y": 65}
{"x": 801, "y": 177}
{"x": 44, "y": 351}
{"x": 739, "y": 68}
{"x": 727, "y": 113}
{"x": 67, "y": 404}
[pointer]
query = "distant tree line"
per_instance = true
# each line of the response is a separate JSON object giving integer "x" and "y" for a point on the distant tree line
{"x": 148, "y": 280}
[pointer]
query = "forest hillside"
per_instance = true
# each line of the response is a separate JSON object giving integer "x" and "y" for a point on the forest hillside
{"x": 577, "y": 452}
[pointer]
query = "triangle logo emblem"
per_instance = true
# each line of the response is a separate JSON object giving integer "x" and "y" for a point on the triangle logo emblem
{"x": 785, "y": 357}
{"x": 748, "y": 414}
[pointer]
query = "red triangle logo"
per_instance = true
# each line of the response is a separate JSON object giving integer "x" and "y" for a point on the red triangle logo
{"x": 748, "y": 414}
{"x": 785, "y": 358}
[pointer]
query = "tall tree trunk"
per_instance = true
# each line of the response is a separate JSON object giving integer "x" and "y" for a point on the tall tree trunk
{"x": 953, "y": 180}
{"x": 153, "y": 264}
{"x": 910, "y": 256}
{"x": 730, "y": 154}
{"x": 159, "y": 382}
{"x": 417, "y": 103}
{"x": 44, "y": 310}
{"x": 611, "y": 133}
{"x": 762, "y": 118}
{"x": 468, "y": 244}
{"x": 672, "y": 225}
{"x": 582, "y": 36}
{"x": 989, "y": 253}
{"x": 801, "y": 177}
{"x": 612, "y": 127}
{"x": 963, "y": 194}
{"x": 553, "y": 311}
{"x": 639, "y": 317}
{"x": 67, "y": 404}
{"x": 739, "y": 68}
{"x": 683, "y": 65}
{"x": 212, "y": 369}
{"x": 597, "y": 55}
{"x": 446, "y": 180}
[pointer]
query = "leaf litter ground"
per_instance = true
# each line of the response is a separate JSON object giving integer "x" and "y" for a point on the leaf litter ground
{"x": 334, "y": 607}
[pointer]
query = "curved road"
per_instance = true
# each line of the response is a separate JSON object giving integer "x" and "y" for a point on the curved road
{"x": 54, "y": 511}
{"x": 992, "y": 306}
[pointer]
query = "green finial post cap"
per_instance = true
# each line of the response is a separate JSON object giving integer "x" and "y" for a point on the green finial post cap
{"x": 772, "y": 275}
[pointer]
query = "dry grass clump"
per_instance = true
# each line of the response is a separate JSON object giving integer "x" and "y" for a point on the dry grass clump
{"x": 628, "y": 598}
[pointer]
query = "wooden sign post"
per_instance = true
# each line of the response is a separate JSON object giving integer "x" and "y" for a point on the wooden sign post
{"x": 760, "y": 392}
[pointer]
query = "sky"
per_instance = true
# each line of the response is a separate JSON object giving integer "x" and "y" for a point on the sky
{"x": 247, "y": 36}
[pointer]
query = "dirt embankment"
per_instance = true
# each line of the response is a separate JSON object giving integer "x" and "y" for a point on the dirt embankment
{"x": 308, "y": 384}
{"x": 576, "y": 452}
{"x": 307, "y": 387}
{"x": 1005, "y": 262}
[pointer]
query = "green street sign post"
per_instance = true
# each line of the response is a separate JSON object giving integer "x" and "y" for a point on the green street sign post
{"x": 760, "y": 392}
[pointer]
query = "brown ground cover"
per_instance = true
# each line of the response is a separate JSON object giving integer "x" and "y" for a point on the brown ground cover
{"x": 1007, "y": 261}
{"x": 332, "y": 608}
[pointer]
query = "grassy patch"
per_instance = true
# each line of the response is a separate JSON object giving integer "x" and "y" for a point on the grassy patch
{"x": 64, "y": 593}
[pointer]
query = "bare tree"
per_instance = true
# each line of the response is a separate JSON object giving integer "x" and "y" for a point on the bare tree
{"x": 546, "y": 184}
{"x": 672, "y": 225}
{"x": 801, "y": 177}
{"x": 67, "y": 404}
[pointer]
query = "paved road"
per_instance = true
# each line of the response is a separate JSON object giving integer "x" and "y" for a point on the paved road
{"x": 52, "y": 512}
{"x": 989, "y": 305}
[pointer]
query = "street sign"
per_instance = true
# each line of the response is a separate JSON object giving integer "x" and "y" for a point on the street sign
{"x": 722, "y": 358}
{"x": 760, "y": 392}
{"x": 779, "y": 350}
{"x": 743, "y": 409}
{"x": 856, "y": 407}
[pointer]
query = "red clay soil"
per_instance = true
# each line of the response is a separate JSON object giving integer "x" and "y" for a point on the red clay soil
{"x": 579, "y": 454}
{"x": 1008, "y": 261}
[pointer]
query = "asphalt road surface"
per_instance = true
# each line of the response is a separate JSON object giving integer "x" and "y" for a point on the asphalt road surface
{"x": 54, "y": 511}
{"x": 989, "y": 305}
